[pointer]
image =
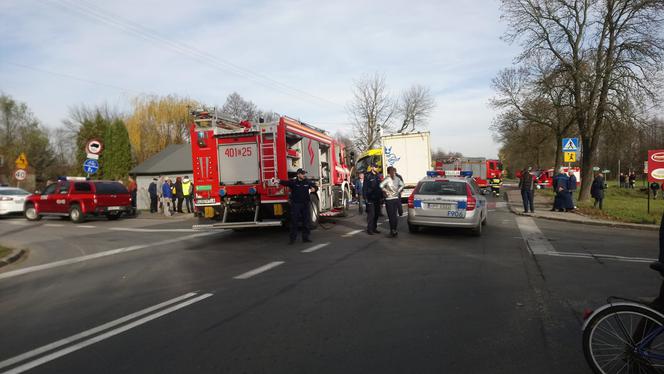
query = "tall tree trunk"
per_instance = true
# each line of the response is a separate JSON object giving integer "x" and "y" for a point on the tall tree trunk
{"x": 559, "y": 150}
{"x": 587, "y": 158}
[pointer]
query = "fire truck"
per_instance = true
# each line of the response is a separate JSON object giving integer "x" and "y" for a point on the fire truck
{"x": 485, "y": 172}
{"x": 237, "y": 166}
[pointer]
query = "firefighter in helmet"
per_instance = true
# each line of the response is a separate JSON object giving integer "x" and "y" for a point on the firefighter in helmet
{"x": 300, "y": 204}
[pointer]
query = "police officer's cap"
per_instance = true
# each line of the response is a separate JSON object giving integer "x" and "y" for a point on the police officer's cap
{"x": 301, "y": 171}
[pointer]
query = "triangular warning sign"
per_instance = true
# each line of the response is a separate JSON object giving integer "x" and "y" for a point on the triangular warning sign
{"x": 570, "y": 146}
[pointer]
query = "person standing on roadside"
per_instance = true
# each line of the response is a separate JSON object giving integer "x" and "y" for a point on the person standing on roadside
{"x": 152, "y": 191}
{"x": 571, "y": 188}
{"x": 301, "y": 189}
{"x": 188, "y": 193}
{"x": 597, "y": 190}
{"x": 133, "y": 189}
{"x": 560, "y": 202}
{"x": 179, "y": 195}
{"x": 372, "y": 194}
{"x": 632, "y": 179}
{"x": 400, "y": 205}
{"x": 167, "y": 197}
{"x": 358, "y": 185}
{"x": 527, "y": 191}
{"x": 654, "y": 186}
{"x": 392, "y": 187}
{"x": 623, "y": 180}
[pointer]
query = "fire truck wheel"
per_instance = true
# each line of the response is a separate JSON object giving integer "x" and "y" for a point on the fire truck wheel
{"x": 315, "y": 211}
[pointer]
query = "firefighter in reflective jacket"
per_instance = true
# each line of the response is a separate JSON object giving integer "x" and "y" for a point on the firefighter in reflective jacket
{"x": 300, "y": 201}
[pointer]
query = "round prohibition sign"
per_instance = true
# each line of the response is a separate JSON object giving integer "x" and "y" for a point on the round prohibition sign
{"x": 20, "y": 174}
{"x": 94, "y": 146}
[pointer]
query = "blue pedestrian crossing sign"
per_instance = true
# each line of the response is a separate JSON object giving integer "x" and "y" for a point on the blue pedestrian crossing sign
{"x": 90, "y": 166}
{"x": 570, "y": 144}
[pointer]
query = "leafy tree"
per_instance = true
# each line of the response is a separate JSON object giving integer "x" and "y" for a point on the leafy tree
{"x": 117, "y": 160}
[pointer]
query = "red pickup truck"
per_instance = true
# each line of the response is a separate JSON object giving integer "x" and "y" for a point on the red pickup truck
{"x": 78, "y": 199}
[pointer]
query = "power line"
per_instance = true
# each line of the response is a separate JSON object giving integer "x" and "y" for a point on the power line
{"x": 196, "y": 54}
{"x": 69, "y": 76}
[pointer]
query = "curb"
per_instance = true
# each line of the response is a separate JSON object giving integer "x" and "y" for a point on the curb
{"x": 13, "y": 257}
{"x": 621, "y": 225}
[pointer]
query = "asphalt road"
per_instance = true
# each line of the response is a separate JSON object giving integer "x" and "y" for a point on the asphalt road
{"x": 159, "y": 298}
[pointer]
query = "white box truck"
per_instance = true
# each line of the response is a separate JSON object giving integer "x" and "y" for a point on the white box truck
{"x": 410, "y": 154}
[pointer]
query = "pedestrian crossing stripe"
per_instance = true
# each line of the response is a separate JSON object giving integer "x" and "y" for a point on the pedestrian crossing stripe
{"x": 570, "y": 145}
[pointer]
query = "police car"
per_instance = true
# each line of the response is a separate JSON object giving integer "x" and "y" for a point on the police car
{"x": 447, "y": 199}
{"x": 11, "y": 200}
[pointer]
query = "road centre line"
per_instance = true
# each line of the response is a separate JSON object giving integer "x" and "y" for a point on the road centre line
{"x": 86, "y": 226}
{"x": 85, "y": 334}
{"x": 104, "y": 336}
{"x": 93, "y": 256}
{"x": 351, "y": 233}
{"x": 259, "y": 270}
{"x": 150, "y": 230}
{"x": 53, "y": 225}
{"x": 316, "y": 247}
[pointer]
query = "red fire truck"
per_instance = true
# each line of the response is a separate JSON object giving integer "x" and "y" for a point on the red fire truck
{"x": 485, "y": 172}
{"x": 237, "y": 166}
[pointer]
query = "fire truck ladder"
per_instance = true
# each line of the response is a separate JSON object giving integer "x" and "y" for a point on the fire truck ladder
{"x": 268, "y": 152}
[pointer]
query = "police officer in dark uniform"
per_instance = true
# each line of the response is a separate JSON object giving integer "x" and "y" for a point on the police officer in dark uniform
{"x": 373, "y": 196}
{"x": 300, "y": 201}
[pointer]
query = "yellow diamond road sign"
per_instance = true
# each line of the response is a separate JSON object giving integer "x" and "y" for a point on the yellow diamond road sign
{"x": 570, "y": 156}
{"x": 21, "y": 162}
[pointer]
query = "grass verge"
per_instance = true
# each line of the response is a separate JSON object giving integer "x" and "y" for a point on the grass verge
{"x": 4, "y": 251}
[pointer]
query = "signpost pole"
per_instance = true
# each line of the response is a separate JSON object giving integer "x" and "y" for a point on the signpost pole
{"x": 648, "y": 189}
{"x": 618, "y": 173}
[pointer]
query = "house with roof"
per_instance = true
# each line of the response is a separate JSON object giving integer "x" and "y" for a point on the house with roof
{"x": 174, "y": 161}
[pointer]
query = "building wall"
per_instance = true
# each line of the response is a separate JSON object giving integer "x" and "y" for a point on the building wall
{"x": 143, "y": 182}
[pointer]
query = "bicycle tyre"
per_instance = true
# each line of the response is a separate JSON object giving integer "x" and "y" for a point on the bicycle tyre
{"x": 615, "y": 322}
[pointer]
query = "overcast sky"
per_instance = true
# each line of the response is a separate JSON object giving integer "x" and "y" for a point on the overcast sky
{"x": 298, "y": 58}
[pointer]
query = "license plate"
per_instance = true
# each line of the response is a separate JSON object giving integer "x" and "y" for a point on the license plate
{"x": 456, "y": 213}
{"x": 113, "y": 208}
{"x": 442, "y": 206}
{"x": 205, "y": 201}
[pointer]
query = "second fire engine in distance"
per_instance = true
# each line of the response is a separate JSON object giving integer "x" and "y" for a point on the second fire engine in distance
{"x": 237, "y": 165}
{"x": 447, "y": 199}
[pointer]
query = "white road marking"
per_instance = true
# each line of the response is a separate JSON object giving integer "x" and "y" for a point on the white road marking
{"x": 535, "y": 240}
{"x": 104, "y": 336}
{"x": 86, "y": 226}
{"x": 85, "y": 334}
{"x": 540, "y": 245}
{"x": 351, "y": 233}
{"x": 93, "y": 256}
{"x": 150, "y": 230}
{"x": 21, "y": 223}
{"x": 491, "y": 210}
{"x": 601, "y": 256}
{"x": 53, "y": 225}
{"x": 316, "y": 247}
{"x": 259, "y": 270}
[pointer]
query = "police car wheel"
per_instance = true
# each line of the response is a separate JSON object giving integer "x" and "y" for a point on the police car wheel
{"x": 76, "y": 214}
{"x": 31, "y": 213}
{"x": 413, "y": 229}
{"x": 477, "y": 230}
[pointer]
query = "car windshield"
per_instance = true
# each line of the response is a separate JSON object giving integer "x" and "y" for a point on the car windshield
{"x": 105, "y": 188}
{"x": 446, "y": 188}
{"x": 14, "y": 191}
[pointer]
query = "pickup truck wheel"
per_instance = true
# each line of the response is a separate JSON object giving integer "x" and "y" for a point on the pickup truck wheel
{"x": 31, "y": 213}
{"x": 76, "y": 214}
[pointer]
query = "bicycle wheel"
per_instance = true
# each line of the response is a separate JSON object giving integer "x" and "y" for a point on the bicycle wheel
{"x": 614, "y": 340}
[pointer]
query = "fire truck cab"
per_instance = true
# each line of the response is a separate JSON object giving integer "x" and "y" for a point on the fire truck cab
{"x": 237, "y": 166}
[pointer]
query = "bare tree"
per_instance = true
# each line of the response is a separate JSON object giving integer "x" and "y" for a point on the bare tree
{"x": 370, "y": 111}
{"x": 239, "y": 108}
{"x": 414, "y": 107}
{"x": 610, "y": 53}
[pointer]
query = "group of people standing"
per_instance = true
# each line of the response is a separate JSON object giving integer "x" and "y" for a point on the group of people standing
{"x": 168, "y": 196}
{"x": 627, "y": 180}
{"x": 564, "y": 187}
{"x": 373, "y": 191}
